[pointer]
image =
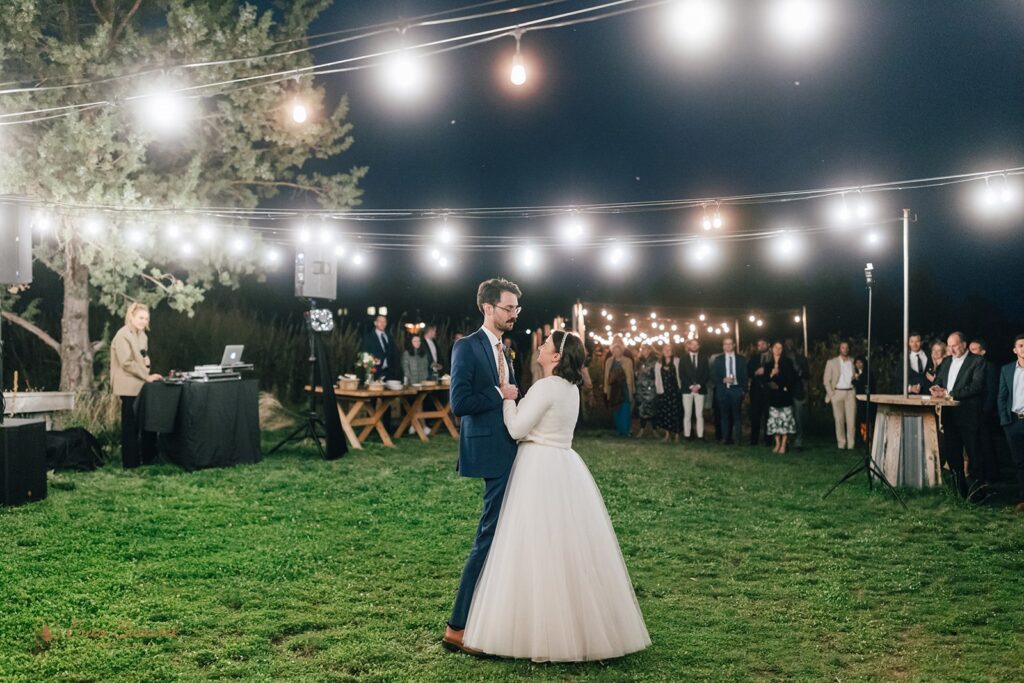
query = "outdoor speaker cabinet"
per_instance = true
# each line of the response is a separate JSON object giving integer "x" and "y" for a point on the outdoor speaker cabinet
{"x": 316, "y": 275}
{"x": 22, "y": 461}
{"x": 15, "y": 243}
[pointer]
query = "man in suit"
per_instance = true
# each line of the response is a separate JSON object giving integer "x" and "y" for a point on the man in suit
{"x": 430, "y": 338}
{"x": 729, "y": 376}
{"x": 695, "y": 374}
{"x": 1010, "y": 404}
{"x": 481, "y": 379}
{"x": 378, "y": 343}
{"x": 919, "y": 364}
{"x": 989, "y": 430}
{"x": 961, "y": 377}
{"x": 758, "y": 393}
{"x": 838, "y": 382}
{"x": 716, "y": 414}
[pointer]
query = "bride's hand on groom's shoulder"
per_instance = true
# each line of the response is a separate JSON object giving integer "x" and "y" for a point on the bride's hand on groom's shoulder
{"x": 510, "y": 392}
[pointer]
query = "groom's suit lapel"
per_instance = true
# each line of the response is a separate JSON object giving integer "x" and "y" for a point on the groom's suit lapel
{"x": 488, "y": 354}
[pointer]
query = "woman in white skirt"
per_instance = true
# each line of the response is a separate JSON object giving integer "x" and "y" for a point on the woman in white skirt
{"x": 554, "y": 586}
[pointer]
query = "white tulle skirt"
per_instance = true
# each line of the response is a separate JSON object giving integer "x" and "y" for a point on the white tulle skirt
{"x": 554, "y": 586}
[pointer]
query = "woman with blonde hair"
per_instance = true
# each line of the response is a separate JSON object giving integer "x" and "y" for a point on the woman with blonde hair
{"x": 129, "y": 370}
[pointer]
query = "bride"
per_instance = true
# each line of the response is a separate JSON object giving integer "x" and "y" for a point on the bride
{"x": 554, "y": 586}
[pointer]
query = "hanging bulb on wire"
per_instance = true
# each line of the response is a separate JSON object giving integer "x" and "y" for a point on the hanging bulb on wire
{"x": 706, "y": 222}
{"x": 299, "y": 112}
{"x": 717, "y": 221}
{"x": 518, "y": 75}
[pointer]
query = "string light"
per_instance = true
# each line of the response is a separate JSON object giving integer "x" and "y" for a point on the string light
{"x": 698, "y": 23}
{"x": 518, "y": 73}
{"x": 207, "y": 232}
{"x": 796, "y": 22}
{"x": 863, "y": 206}
{"x": 163, "y": 110}
{"x": 705, "y": 221}
{"x": 405, "y": 74}
{"x": 299, "y": 113}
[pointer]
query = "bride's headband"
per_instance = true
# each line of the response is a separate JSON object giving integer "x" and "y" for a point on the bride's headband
{"x": 561, "y": 347}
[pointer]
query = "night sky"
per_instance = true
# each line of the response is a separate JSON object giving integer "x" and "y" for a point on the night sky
{"x": 614, "y": 111}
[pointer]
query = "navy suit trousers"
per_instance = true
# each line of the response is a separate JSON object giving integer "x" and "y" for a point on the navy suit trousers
{"x": 494, "y": 494}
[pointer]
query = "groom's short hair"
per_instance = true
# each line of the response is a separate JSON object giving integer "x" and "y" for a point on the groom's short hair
{"x": 489, "y": 291}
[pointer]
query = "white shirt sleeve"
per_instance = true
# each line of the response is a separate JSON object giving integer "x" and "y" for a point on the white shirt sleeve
{"x": 521, "y": 418}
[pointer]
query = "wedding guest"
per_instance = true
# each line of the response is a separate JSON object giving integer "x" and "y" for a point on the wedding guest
{"x": 865, "y": 411}
{"x": 780, "y": 379}
{"x": 619, "y": 388}
{"x": 695, "y": 375}
{"x": 838, "y": 382}
{"x": 962, "y": 378}
{"x": 729, "y": 377}
{"x": 758, "y": 393}
{"x": 667, "y": 382}
{"x": 716, "y": 414}
{"x": 989, "y": 436}
{"x": 512, "y": 353}
{"x": 437, "y": 361}
{"x": 1011, "y": 412}
{"x": 415, "y": 361}
{"x": 919, "y": 365}
{"x": 938, "y": 354}
{"x": 646, "y": 393}
{"x": 800, "y": 390}
{"x": 129, "y": 370}
{"x": 380, "y": 345}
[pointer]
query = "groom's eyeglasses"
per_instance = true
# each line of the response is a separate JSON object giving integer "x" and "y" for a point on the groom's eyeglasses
{"x": 510, "y": 310}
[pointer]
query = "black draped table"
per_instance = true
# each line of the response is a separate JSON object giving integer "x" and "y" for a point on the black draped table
{"x": 203, "y": 424}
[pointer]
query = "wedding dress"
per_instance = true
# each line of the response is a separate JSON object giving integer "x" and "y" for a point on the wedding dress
{"x": 554, "y": 586}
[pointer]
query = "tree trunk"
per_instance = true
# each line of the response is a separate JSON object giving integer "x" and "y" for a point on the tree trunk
{"x": 76, "y": 353}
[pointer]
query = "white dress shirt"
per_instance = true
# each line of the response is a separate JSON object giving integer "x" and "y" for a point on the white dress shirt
{"x": 384, "y": 342}
{"x": 954, "y": 371}
{"x": 845, "y": 374}
{"x": 730, "y": 368}
{"x": 498, "y": 356}
{"x": 1017, "y": 402}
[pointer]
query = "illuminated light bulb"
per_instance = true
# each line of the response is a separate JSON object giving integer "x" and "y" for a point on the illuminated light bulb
{"x": 326, "y": 236}
{"x": 207, "y": 233}
{"x": 863, "y": 209}
{"x": 610, "y": 316}
{"x": 654, "y": 325}
{"x": 271, "y": 257}
{"x": 299, "y": 112}
{"x": 607, "y": 328}
{"x": 699, "y": 24}
{"x": 796, "y": 318}
{"x": 92, "y": 227}
{"x": 304, "y": 236}
{"x": 693, "y": 327}
{"x": 404, "y": 74}
{"x": 239, "y": 244}
{"x": 163, "y": 110}
{"x": 446, "y": 235}
{"x": 717, "y": 221}
{"x": 718, "y": 330}
{"x": 653, "y": 314}
{"x": 702, "y": 317}
{"x": 135, "y": 237}
{"x": 529, "y": 259}
{"x": 435, "y": 254}
{"x": 873, "y": 238}
{"x": 187, "y": 249}
{"x": 674, "y": 328}
{"x": 358, "y": 260}
{"x": 706, "y": 222}
{"x": 585, "y": 312}
{"x": 518, "y": 74}
{"x": 172, "y": 232}
{"x": 633, "y": 328}
{"x": 442, "y": 262}
{"x": 1008, "y": 196}
{"x": 632, "y": 321}
{"x": 661, "y": 327}
{"x": 604, "y": 313}
{"x": 711, "y": 330}
{"x": 760, "y": 323}
{"x": 797, "y": 22}
{"x": 42, "y": 222}
{"x": 752, "y": 318}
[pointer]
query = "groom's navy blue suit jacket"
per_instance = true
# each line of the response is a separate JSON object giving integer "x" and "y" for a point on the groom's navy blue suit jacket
{"x": 485, "y": 448}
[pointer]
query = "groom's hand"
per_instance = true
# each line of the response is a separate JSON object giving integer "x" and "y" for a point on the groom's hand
{"x": 509, "y": 392}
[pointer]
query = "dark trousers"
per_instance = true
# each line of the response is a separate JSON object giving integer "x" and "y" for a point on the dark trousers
{"x": 729, "y": 401}
{"x": 959, "y": 434}
{"x": 1015, "y": 439}
{"x": 137, "y": 447}
{"x": 494, "y": 493}
{"x": 758, "y": 416}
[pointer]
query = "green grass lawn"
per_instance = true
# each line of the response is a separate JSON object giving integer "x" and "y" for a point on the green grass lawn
{"x": 300, "y": 569}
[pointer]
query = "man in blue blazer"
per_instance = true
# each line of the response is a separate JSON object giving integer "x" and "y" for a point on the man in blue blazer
{"x": 729, "y": 376}
{"x": 482, "y": 377}
{"x": 1011, "y": 412}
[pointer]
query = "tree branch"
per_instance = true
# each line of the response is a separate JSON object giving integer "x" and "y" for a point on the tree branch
{"x": 279, "y": 183}
{"x": 99, "y": 12}
{"x": 117, "y": 32}
{"x": 38, "y": 332}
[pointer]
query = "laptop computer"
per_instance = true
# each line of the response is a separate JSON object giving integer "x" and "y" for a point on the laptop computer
{"x": 232, "y": 355}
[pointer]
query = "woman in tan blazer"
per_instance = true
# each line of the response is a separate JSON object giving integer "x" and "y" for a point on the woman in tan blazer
{"x": 129, "y": 370}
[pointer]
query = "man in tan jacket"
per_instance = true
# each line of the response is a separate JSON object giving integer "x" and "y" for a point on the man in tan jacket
{"x": 838, "y": 381}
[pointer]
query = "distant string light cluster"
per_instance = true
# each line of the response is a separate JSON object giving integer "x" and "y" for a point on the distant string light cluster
{"x": 653, "y": 328}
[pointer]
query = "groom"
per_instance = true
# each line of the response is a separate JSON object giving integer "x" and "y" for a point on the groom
{"x": 482, "y": 378}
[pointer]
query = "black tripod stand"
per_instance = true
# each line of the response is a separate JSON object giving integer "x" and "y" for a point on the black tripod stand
{"x": 867, "y": 464}
{"x": 312, "y": 427}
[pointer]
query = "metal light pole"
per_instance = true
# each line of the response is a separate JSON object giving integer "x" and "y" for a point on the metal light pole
{"x": 906, "y": 300}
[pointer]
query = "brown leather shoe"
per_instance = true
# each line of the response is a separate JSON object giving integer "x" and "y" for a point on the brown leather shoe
{"x": 452, "y": 642}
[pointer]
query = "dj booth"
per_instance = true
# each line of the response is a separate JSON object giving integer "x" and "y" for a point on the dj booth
{"x": 203, "y": 424}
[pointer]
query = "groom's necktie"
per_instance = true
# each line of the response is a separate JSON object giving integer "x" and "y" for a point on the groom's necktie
{"x": 501, "y": 366}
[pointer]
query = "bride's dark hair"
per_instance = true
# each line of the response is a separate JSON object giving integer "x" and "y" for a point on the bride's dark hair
{"x": 570, "y": 365}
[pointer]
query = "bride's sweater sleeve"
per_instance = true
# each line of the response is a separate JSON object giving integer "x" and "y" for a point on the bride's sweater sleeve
{"x": 522, "y": 418}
